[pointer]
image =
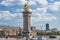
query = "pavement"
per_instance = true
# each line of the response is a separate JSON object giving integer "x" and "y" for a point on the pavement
{"x": 12, "y": 39}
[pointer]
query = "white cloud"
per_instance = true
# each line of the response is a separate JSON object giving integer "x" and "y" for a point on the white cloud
{"x": 20, "y": 2}
{"x": 12, "y": 2}
{"x": 44, "y": 2}
{"x": 40, "y": 14}
{"x": 40, "y": 10}
{"x": 55, "y": 6}
{"x": 0, "y": 16}
{"x": 19, "y": 10}
{"x": 31, "y": 2}
{"x": 59, "y": 25}
{"x": 43, "y": 17}
{"x": 7, "y": 2}
{"x": 7, "y": 15}
{"x": 18, "y": 21}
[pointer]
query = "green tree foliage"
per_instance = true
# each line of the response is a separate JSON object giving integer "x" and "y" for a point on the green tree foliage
{"x": 2, "y": 33}
{"x": 48, "y": 33}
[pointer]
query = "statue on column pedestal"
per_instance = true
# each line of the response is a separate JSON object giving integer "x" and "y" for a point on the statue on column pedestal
{"x": 26, "y": 7}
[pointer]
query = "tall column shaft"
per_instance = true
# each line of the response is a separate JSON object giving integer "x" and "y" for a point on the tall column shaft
{"x": 26, "y": 23}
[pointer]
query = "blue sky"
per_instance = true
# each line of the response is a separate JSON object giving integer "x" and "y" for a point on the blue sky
{"x": 43, "y": 11}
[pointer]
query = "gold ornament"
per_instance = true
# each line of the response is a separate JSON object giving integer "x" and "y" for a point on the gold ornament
{"x": 26, "y": 7}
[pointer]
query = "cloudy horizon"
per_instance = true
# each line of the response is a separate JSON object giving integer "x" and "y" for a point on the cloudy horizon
{"x": 43, "y": 11}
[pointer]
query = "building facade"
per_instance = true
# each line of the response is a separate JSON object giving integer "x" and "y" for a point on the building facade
{"x": 47, "y": 27}
{"x": 10, "y": 31}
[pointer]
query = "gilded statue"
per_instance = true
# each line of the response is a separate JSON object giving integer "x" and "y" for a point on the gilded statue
{"x": 26, "y": 7}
